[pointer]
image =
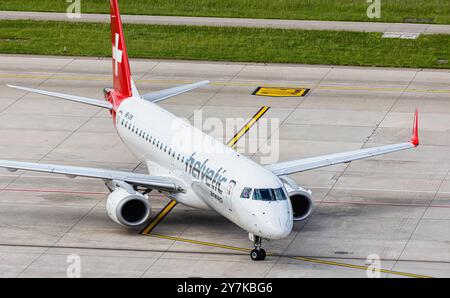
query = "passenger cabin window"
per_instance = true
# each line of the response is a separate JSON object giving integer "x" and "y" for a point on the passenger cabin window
{"x": 269, "y": 194}
{"x": 246, "y": 193}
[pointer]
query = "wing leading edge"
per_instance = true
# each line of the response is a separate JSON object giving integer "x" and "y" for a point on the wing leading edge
{"x": 154, "y": 182}
{"x": 171, "y": 92}
{"x": 85, "y": 100}
{"x": 301, "y": 165}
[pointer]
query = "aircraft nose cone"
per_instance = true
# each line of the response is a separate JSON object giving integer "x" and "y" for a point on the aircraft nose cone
{"x": 278, "y": 228}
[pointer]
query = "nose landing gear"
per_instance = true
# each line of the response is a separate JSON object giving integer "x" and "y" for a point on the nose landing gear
{"x": 258, "y": 253}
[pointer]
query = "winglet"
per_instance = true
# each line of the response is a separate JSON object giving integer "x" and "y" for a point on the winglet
{"x": 415, "y": 132}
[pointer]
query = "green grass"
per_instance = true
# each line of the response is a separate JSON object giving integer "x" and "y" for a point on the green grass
{"x": 225, "y": 44}
{"x": 348, "y": 10}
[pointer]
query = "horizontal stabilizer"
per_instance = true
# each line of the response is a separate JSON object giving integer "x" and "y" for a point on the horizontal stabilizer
{"x": 167, "y": 93}
{"x": 85, "y": 100}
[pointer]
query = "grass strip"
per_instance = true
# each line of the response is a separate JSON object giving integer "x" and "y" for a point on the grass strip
{"x": 436, "y": 11}
{"x": 225, "y": 44}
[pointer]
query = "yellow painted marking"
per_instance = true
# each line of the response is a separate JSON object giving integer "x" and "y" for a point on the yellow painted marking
{"x": 359, "y": 267}
{"x": 148, "y": 229}
{"x": 200, "y": 242}
{"x": 280, "y": 92}
{"x": 311, "y": 260}
{"x": 234, "y": 84}
{"x": 247, "y": 126}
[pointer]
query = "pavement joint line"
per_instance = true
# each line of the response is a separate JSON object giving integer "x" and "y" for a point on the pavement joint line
{"x": 312, "y": 260}
{"x": 23, "y": 96}
{"x": 220, "y": 89}
{"x": 299, "y": 104}
{"x": 420, "y": 219}
{"x": 59, "y": 238}
{"x": 377, "y": 126}
{"x": 82, "y": 217}
{"x": 167, "y": 249}
{"x": 43, "y": 157}
{"x": 234, "y": 84}
{"x": 157, "y": 63}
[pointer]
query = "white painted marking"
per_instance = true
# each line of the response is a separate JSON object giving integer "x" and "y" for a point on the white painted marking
{"x": 117, "y": 54}
{"x": 401, "y": 35}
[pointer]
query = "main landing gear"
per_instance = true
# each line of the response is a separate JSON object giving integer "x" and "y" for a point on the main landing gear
{"x": 257, "y": 254}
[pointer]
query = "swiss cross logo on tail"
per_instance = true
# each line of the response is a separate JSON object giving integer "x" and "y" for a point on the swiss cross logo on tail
{"x": 120, "y": 65}
{"x": 117, "y": 54}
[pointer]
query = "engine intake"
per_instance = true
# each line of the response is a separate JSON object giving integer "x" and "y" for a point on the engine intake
{"x": 302, "y": 203}
{"x": 128, "y": 209}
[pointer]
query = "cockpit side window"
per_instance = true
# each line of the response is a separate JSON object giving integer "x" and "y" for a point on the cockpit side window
{"x": 246, "y": 193}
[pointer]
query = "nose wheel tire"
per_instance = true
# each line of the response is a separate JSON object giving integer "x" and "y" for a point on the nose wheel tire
{"x": 258, "y": 254}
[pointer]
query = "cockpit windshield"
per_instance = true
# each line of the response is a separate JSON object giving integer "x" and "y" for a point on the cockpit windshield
{"x": 269, "y": 194}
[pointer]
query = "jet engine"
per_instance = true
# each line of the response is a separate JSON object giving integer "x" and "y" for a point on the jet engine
{"x": 128, "y": 208}
{"x": 301, "y": 199}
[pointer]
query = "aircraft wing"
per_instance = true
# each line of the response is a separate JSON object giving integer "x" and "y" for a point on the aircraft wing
{"x": 171, "y": 92}
{"x": 89, "y": 101}
{"x": 154, "y": 182}
{"x": 301, "y": 165}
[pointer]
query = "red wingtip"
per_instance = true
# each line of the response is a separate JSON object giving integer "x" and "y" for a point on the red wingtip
{"x": 415, "y": 132}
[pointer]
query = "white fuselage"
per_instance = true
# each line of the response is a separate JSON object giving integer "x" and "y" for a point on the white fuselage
{"x": 213, "y": 174}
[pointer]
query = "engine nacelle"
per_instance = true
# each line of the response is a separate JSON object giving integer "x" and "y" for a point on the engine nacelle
{"x": 301, "y": 199}
{"x": 128, "y": 209}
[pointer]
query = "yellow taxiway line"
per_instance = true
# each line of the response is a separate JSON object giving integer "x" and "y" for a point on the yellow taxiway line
{"x": 158, "y": 218}
{"x": 247, "y": 126}
{"x": 310, "y": 260}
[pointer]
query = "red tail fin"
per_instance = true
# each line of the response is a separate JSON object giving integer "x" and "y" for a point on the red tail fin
{"x": 415, "y": 132}
{"x": 121, "y": 65}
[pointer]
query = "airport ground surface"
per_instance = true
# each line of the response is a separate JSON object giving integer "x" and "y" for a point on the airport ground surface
{"x": 396, "y": 206}
{"x": 236, "y": 22}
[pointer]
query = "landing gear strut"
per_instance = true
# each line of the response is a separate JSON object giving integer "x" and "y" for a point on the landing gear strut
{"x": 257, "y": 254}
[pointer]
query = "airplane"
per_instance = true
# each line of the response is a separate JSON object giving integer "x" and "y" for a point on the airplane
{"x": 199, "y": 172}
